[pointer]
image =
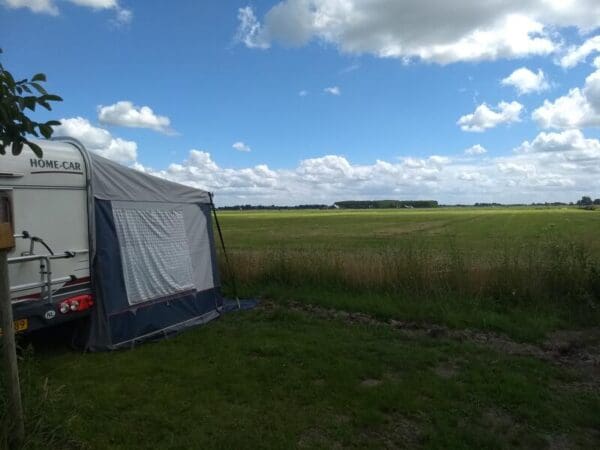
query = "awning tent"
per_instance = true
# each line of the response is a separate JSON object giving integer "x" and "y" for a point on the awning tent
{"x": 154, "y": 262}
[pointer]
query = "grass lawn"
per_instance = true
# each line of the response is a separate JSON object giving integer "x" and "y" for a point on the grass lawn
{"x": 279, "y": 378}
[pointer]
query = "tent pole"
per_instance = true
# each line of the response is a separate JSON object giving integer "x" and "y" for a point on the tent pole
{"x": 227, "y": 262}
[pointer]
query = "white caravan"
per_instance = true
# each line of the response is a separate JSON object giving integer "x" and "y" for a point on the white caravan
{"x": 47, "y": 202}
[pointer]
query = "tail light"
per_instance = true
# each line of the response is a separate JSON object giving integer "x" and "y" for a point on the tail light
{"x": 76, "y": 304}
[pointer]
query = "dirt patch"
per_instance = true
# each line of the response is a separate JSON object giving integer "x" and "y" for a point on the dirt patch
{"x": 315, "y": 437}
{"x": 578, "y": 349}
{"x": 559, "y": 442}
{"x": 446, "y": 370}
{"x": 499, "y": 421}
{"x": 370, "y": 382}
{"x": 398, "y": 432}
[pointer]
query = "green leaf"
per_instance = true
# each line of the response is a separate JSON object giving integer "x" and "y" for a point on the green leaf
{"x": 39, "y": 88}
{"x": 53, "y": 123}
{"x": 17, "y": 147}
{"x": 52, "y": 98}
{"x": 36, "y": 149}
{"x": 9, "y": 79}
{"x": 38, "y": 77}
{"x": 46, "y": 131}
{"x": 30, "y": 102}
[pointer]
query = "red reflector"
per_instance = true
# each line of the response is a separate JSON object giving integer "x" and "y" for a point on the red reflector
{"x": 77, "y": 303}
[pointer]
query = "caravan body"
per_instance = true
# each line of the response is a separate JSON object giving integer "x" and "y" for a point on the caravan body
{"x": 132, "y": 251}
{"x": 47, "y": 202}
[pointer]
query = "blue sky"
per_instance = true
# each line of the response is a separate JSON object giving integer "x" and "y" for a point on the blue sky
{"x": 303, "y": 101}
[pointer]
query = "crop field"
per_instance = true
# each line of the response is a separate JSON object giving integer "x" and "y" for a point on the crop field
{"x": 523, "y": 271}
{"x": 446, "y": 328}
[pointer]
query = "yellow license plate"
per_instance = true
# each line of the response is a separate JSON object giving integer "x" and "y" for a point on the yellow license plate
{"x": 20, "y": 325}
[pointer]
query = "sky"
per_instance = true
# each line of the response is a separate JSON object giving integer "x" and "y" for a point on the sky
{"x": 316, "y": 101}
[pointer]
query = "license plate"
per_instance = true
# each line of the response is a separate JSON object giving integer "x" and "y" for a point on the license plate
{"x": 20, "y": 325}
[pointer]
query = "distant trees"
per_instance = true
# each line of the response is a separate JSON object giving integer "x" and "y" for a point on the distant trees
{"x": 271, "y": 207}
{"x": 381, "y": 204}
{"x": 587, "y": 202}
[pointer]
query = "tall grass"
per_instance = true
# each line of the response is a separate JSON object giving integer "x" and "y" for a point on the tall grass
{"x": 42, "y": 405}
{"x": 548, "y": 270}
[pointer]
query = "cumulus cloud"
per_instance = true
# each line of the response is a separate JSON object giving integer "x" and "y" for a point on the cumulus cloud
{"x": 475, "y": 150}
{"x": 555, "y": 166}
{"x": 569, "y": 144}
{"x": 49, "y": 7}
{"x": 526, "y": 81}
{"x": 98, "y": 140}
{"x": 579, "y": 108}
{"x": 250, "y": 31}
{"x": 485, "y": 117}
{"x": 126, "y": 114}
{"x": 241, "y": 147}
{"x": 36, "y": 6}
{"x": 333, "y": 90}
{"x": 578, "y": 54}
{"x": 430, "y": 30}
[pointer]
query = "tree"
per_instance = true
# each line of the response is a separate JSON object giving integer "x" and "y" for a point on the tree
{"x": 15, "y": 98}
{"x": 585, "y": 201}
{"x": 597, "y": 201}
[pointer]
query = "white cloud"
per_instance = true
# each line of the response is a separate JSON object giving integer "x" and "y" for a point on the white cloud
{"x": 241, "y": 147}
{"x": 126, "y": 114}
{"x": 96, "y": 4}
{"x": 525, "y": 81}
{"x": 303, "y": 93}
{"x": 570, "y": 145}
{"x": 250, "y": 32}
{"x": 551, "y": 167}
{"x": 36, "y": 6}
{"x": 333, "y": 90}
{"x": 578, "y": 54}
{"x": 98, "y": 140}
{"x": 579, "y": 108}
{"x": 123, "y": 16}
{"x": 485, "y": 117}
{"x": 475, "y": 150}
{"x": 430, "y": 30}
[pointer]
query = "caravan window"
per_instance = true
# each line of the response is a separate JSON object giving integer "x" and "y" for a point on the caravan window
{"x": 5, "y": 207}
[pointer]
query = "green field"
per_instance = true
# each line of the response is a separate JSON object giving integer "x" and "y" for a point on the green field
{"x": 447, "y": 328}
{"x": 472, "y": 229}
{"x": 522, "y": 271}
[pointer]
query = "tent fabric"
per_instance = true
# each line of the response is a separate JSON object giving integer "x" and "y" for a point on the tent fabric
{"x": 112, "y": 181}
{"x": 154, "y": 265}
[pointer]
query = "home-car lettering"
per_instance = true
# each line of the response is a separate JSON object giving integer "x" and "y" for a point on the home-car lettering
{"x": 53, "y": 164}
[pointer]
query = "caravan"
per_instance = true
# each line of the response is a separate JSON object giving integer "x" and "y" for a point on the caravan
{"x": 130, "y": 253}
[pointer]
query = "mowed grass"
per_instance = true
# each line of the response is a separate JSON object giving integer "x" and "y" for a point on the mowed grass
{"x": 281, "y": 376}
{"x": 274, "y": 378}
{"x": 523, "y": 271}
